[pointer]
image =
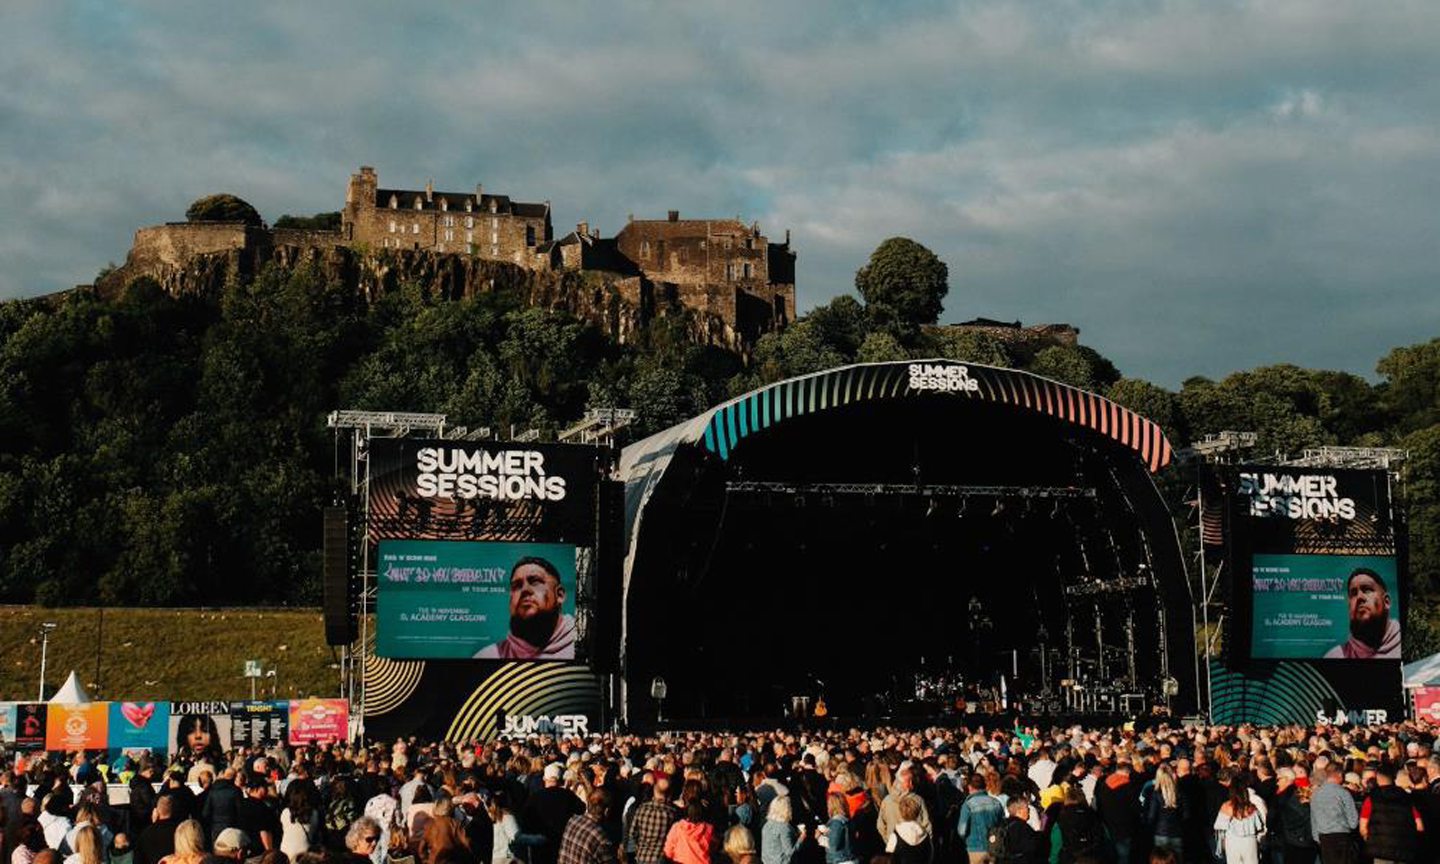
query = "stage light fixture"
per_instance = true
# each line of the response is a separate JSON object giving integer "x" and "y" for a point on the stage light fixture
{"x": 999, "y": 508}
{"x": 960, "y": 511}
{"x": 931, "y": 508}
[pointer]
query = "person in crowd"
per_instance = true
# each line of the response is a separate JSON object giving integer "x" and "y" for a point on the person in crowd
{"x": 221, "y": 808}
{"x": 839, "y": 841}
{"x": 28, "y": 839}
{"x": 362, "y": 838}
{"x": 89, "y": 848}
{"x": 257, "y": 817}
{"x": 779, "y": 838}
{"x": 1390, "y": 824}
{"x": 1239, "y": 825}
{"x": 1076, "y": 831}
{"x": 1334, "y": 819}
{"x": 506, "y": 829}
{"x": 903, "y": 787}
{"x": 690, "y": 837}
{"x": 584, "y": 840}
{"x": 740, "y": 846}
{"x": 979, "y": 815}
{"x": 191, "y": 844}
{"x": 1117, "y": 801}
{"x": 910, "y": 842}
{"x": 301, "y": 828}
{"x": 445, "y": 843}
{"x": 548, "y": 811}
{"x": 1165, "y": 812}
{"x": 650, "y": 823}
{"x": 1290, "y": 817}
{"x": 1015, "y": 841}
{"x": 231, "y": 845}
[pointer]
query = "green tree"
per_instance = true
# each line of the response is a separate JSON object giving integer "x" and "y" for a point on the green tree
{"x": 1076, "y": 365}
{"x": 904, "y": 286}
{"x": 1411, "y": 392}
{"x": 223, "y": 207}
{"x": 956, "y": 343}
{"x": 318, "y": 222}
{"x": 881, "y": 347}
{"x": 1154, "y": 403}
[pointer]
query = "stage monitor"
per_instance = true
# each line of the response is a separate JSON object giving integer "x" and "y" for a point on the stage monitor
{"x": 1315, "y": 561}
{"x": 483, "y": 600}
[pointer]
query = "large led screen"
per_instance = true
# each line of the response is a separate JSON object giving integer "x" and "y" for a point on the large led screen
{"x": 486, "y": 600}
{"x": 1325, "y": 607}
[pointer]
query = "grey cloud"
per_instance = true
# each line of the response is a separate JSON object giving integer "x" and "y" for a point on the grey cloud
{"x": 1199, "y": 186}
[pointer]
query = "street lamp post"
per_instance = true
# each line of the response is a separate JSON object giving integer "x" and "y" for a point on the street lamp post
{"x": 44, "y": 651}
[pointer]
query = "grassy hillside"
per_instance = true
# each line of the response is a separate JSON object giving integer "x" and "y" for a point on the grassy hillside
{"x": 166, "y": 653}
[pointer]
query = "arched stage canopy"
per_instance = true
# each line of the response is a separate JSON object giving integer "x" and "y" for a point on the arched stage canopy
{"x": 937, "y": 431}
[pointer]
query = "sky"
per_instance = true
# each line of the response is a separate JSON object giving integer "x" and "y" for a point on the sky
{"x": 1200, "y": 187}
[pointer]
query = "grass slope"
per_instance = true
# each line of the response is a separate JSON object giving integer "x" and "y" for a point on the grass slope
{"x": 174, "y": 654}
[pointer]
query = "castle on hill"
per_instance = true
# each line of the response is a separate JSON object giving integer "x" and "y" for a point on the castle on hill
{"x": 722, "y": 268}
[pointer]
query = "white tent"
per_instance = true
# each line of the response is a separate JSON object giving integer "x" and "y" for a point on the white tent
{"x": 1424, "y": 672}
{"x": 72, "y": 692}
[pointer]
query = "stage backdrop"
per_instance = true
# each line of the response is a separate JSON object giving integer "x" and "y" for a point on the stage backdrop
{"x": 1317, "y": 588}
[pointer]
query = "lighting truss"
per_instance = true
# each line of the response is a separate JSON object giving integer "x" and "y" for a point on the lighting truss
{"x": 909, "y": 489}
{"x": 1350, "y": 457}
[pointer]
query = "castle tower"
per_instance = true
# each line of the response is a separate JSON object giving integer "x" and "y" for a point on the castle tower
{"x": 359, "y": 196}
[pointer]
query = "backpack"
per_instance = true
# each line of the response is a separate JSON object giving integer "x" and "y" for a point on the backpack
{"x": 1081, "y": 834}
{"x": 998, "y": 842}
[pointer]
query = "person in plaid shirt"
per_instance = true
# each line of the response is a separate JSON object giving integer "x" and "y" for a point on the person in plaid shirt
{"x": 650, "y": 823}
{"x": 584, "y": 841}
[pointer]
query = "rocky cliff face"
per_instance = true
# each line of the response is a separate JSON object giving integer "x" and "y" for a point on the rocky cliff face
{"x": 189, "y": 259}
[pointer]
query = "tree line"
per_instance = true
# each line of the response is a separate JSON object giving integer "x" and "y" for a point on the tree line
{"x": 165, "y": 450}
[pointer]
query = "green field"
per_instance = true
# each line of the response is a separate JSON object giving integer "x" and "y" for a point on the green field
{"x": 176, "y": 654}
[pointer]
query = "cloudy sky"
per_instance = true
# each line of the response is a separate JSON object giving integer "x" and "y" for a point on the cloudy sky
{"x": 1199, "y": 186}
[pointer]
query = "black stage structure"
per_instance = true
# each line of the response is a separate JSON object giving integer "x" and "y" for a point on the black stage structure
{"x": 895, "y": 538}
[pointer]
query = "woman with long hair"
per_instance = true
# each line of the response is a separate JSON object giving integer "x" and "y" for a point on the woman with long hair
{"x": 190, "y": 845}
{"x": 1166, "y": 813}
{"x": 1239, "y": 825}
{"x": 300, "y": 825}
{"x": 838, "y": 846}
{"x": 87, "y": 846}
{"x": 507, "y": 828}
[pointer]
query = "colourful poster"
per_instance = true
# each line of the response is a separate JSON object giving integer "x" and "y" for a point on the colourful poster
{"x": 7, "y": 722}
{"x": 139, "y": 726}
{"x": 30, "y": 725}
{"x": 319, "y": 721}
{"x": 1427, "y": 704}
{"x": 200, "y": 730}
{"x": 1331, "y": 607}
{"x": 77, "y": 727}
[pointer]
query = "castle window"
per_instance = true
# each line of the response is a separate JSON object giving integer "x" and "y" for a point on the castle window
{"x": 729, "y": 271}
{"x": 494, "y": 251}
{"x": 392, "y": 226}
{"x": 470, "y": 237}
{"x": 449, "y": 221}
{"x": 529, "y": 235}
{"x": 444, "y": 205}
{"x": 644, "y": 248}
{"x": 394, "y": 202}
{"x": 727, "y": 242}
{"x": 746, "y": 267}
{"x": 449, "y": 236}
{"x": 468, "y": 204}
{"x": 494, "y": 223}
{"x": 749, "y": 242}
{"x": 415, "y": 228}
{"x": 492, "y": 205}
{"x": 419, "y": 202}
{"x": 469, "y": 221}
{"x": 494, "y": 237}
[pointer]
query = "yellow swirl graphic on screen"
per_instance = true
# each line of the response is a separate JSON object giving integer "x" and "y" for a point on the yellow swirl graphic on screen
{"x": 388, "y": 683}
{"x": 524, "y": 688}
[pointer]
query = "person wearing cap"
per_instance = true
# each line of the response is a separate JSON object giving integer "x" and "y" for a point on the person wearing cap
{"x": 548, "y": 811}
{"x": 232, "y": 844}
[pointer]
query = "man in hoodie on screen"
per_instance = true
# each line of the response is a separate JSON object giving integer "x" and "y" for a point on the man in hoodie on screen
{"x": 539, "y": 629}
{"x": 1373, "y": 633}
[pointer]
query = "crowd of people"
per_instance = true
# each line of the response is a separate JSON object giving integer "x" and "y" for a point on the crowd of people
{"x": 1072, "y": 795}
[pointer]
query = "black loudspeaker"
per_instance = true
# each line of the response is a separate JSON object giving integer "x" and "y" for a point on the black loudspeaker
{"x": 340, "y": 624}
{"x": 609, "y": 575}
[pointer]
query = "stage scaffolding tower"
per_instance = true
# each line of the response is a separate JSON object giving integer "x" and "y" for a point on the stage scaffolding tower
{"x": 357, "y": 428}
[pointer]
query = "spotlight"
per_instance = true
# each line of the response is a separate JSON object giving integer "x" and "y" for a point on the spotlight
{"x": 930, "y": 508}
{"x": 960, "y": 511}
{"x": 999, "y": 508}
